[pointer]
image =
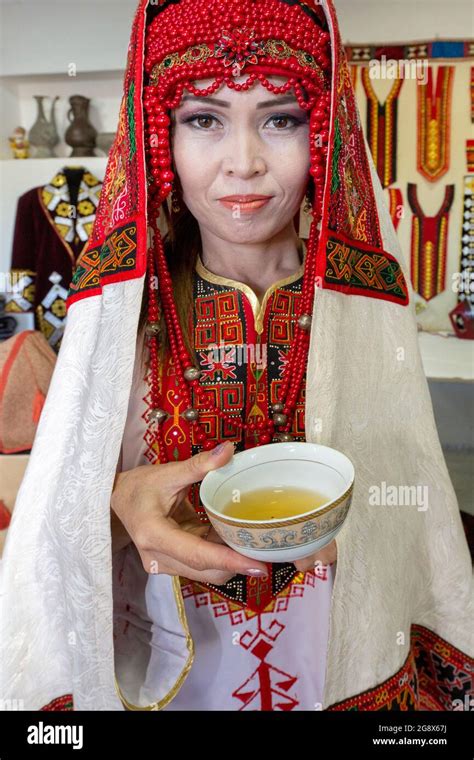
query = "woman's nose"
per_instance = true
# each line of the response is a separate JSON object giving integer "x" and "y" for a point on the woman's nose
{"x": 243, "y": 156}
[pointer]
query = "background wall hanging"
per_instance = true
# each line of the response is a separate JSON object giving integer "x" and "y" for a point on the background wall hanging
{"x": 420, "y": 137}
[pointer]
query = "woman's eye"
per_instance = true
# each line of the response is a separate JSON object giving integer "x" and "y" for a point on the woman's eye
{"x": 200, "y": 117}
{"x": 283, "y": 122}
{"x": 293, "y": 121}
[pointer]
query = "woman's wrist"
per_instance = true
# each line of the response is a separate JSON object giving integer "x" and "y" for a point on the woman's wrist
{"x": 120, "y": 535}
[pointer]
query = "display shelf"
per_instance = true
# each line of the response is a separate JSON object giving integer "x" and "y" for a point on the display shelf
{"x": 68, "y": 75}
{"x": 103, "y": 88}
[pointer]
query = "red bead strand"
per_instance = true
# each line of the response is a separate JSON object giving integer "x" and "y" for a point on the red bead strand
{"x": 271, "y": 20}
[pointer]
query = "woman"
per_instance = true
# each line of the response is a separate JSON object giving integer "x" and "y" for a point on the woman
{"x": 390, "y": 633}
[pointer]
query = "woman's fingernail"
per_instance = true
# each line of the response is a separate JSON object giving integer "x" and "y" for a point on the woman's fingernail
{"x": 218, "y": 449}
{"x": 256, "y": 573}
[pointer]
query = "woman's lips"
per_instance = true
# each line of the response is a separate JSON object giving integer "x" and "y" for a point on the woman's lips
{"x": 245, "y": 205}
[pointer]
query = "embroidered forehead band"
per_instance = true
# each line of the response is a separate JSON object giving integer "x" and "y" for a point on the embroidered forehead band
{"x": 237, "y": 48}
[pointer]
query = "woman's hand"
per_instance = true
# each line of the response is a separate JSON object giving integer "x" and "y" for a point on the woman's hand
{"x": 323, "y": 556}
{"x": 151, "y": 504}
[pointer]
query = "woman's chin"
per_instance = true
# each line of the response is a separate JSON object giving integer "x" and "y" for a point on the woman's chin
{"x": 252, "y": 236}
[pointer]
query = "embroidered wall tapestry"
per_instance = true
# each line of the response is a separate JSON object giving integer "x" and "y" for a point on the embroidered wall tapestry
{"x": 417, "y": 112}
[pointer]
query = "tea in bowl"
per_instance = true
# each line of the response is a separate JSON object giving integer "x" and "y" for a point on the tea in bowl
{"x": 279, "y": 502}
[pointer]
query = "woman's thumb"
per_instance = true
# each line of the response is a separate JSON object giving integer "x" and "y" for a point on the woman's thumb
{"x": 197, "y": 466}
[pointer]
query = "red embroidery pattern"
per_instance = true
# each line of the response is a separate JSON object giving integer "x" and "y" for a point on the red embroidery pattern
{"x": 435, "y": 676}
{"x": 60, "y": 703}
{"x": 382, "y": 128}
{"x": 116, "y": 249}
{"x": 237, "y": 611}
{"x": 360, "y": 269}
{"x": 224, "y": 326}
{"x": 267, "y": 687}
{"x": 429, "y": 241}
{"x": 445, "y": 673}
{"x": 352, "y": 207}
{"x": 396, "y": 693}
{"x": 434, "y": 123}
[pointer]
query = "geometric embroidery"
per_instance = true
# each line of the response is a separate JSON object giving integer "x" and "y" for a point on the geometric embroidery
{"x": 268, "y": 687}
{"x": 435, "y": 676}
{"x": 400, "y": 692}
{"x": 118, "y": 253}
{"x": 264, "y": 686}
{"x": 115, "y": 257}
{"x": 466, "y": 280}
{"x": 55, "y": 202}
{"x": 217, "y": 320}
{"x": 22, "y": 289}
{"x": 244, "y": 386}
{"x": 242, "y": 370}
{"x": 237, "y": 612}
{"x": 350, "y": 198}
{"x": 356, "y": 268}
{"x": 444, "y": 672}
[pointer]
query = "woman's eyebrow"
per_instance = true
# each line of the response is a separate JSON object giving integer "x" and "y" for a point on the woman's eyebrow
{"x": 226, "y": 104}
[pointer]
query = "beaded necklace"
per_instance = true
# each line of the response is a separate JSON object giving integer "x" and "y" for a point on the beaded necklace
{"x": 189, "y": 41}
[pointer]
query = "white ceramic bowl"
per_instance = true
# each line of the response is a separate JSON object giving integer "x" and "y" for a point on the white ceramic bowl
{"x": 293, "y": 464}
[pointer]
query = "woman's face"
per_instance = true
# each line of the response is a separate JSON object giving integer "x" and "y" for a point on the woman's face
{"x": 237, "y": 144}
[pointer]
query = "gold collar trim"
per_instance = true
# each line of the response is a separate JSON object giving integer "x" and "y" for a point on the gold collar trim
{"x": 258, "y": 308}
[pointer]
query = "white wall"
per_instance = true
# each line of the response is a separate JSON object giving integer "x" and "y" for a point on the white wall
{"x": 404, "y": 20}
{"x": 47, "y": 36}
{"x": 39, "y": 37}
